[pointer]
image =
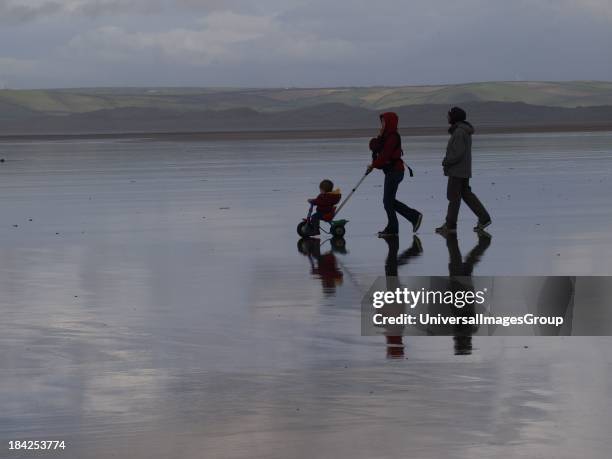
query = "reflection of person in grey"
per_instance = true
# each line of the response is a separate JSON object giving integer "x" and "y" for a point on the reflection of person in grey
{"x": 393, "y": 334}
{"x": 456, "y": 265}
{"x": 460, "y": 270}
{"x": 556, "y": 299}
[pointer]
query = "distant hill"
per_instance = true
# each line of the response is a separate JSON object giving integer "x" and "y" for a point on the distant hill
{"x": 421, "y": 118}
{"x": 60, "y": 102}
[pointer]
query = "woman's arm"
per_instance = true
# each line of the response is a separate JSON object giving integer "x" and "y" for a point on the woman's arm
{"x": 385, "y": 155}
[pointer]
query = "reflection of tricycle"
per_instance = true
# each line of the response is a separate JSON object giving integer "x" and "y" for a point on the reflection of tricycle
{"x": 336, "y": 227}
{"x": 308, "y": 245}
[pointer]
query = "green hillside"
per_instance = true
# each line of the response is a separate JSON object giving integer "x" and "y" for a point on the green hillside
{"x": 20, "y": 103}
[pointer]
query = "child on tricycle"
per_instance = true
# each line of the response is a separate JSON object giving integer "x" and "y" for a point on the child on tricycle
{"x": 325, "y": 204}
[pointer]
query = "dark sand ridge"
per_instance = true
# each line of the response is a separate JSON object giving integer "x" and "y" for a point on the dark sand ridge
{"x": 299, "y": 134}
{"x": 320, "y": 121}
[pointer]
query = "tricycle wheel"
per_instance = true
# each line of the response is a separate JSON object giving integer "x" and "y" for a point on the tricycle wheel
{"x": 302, "y": 229}
{"x": 337, "y": 231}
{"x": 303, "y": 245}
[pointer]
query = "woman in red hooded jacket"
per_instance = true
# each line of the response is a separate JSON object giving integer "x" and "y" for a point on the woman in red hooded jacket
{"x": 387, "y": 156}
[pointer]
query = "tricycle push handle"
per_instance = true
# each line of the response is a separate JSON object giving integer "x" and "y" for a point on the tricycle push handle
{"x": 350, "y": 194}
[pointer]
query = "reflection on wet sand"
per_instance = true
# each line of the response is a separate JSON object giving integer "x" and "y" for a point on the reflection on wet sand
{"x": 393, "y": 333}
{"x": 324, "y": 265}
{"x": 458, "y": 280}
{"x": 155, "y": 306}
{"x": 464, "y": 268}
{"x": 556, "y": 298}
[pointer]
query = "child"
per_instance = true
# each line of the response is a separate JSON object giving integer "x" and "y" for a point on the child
{"x": 326, "y": 204}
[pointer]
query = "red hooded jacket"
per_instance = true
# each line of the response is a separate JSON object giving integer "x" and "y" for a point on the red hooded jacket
{"x": 388, "y": 146}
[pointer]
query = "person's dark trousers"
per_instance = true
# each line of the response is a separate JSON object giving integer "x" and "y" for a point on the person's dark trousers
{"x": 459, "y": 188}
{"x": 392, "y": 205}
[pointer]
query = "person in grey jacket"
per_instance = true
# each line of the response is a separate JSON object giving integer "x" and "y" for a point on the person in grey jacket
{"x": 457, "y": 166}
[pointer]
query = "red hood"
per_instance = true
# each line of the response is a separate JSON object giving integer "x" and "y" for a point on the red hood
{"x": 391, "y": 121}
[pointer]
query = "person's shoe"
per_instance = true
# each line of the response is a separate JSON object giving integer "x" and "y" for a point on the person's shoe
{"x": 417, "y": 247}
{"x": 387, "y": 233}
{"x": 482, "y": 234}
{"x": 482, "y": 225}
{"x": 445, "y": 229}
{"x": 416, "y": 225}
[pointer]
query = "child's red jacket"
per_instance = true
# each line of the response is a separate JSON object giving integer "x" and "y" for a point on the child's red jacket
{"x": 326, "y": 202}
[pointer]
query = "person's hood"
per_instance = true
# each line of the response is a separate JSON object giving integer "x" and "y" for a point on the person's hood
{"x": 391, "y": 121}
{"x": 336, "y": 191}
{"x": 465, "y": 125}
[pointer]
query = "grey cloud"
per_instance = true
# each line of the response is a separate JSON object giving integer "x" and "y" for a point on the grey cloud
{"x": 306, "y": 42}
{"x": 20, "y": 11}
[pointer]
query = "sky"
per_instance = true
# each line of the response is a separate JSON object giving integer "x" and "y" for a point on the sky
{"x": 304, "y": 43}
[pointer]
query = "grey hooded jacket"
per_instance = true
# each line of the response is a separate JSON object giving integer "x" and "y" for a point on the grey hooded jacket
{"x": 458, "y": 159}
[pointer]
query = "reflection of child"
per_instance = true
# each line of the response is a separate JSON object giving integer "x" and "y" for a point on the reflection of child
{"x": 325, "y": 202}
{"x": 323, "y": 266}
{"x": 327, "y": 270}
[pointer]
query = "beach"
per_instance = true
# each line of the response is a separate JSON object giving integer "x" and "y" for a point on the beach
{"x": 157, "y": 304}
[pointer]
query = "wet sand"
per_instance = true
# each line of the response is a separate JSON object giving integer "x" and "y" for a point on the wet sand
{"x": 156, "y": 305}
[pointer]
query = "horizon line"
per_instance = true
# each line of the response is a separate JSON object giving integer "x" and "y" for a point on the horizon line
{"x": 287, "y": 88}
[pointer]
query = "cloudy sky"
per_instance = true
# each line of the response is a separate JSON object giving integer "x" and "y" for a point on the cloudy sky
{"x": 68, "y": 43}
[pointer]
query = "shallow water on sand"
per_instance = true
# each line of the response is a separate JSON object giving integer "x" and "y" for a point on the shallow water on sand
{"x": 155, "y": 303}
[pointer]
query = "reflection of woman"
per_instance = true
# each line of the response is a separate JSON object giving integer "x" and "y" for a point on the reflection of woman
{"x": 387, "y": 156}
{"x": 393, "y": 334}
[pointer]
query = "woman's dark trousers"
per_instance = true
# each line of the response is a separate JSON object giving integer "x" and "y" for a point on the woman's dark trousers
{"x": 459, "y": 188}
{"x": 392, "y": 205}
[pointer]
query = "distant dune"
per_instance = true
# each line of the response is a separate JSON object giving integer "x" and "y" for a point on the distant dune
{"x": 493, "y": 107}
